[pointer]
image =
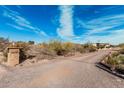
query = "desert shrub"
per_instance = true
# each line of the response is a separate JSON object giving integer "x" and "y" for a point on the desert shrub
{"x": 46, "y": 54}
{"x": 31, "y": 42}
{"x": 115, "y": 60}
{"x": 121, "y": 45}
{"x": 43, "y": 45}
{"x": 62, "y": 48}
{"x": 79, "y": 48}
{"x": 112, "y": 60}
{"x": 120, "y": 67}
{"x": 101, "y": 46}
{"x": 2, "y": 58}
{"x": 120, "y": 59}
{"x": 115, "y": 54}
{"x": 122, "y": 50}
{"x": 92, "y": 48}
{"x": 68, "y": 47}
{"x": 40, "y": 52}
{"x": 57, "y": 47}
{"x": 89, "y": 47}
{"x": 5, "y": 52}
{"x": 3, "y": 44}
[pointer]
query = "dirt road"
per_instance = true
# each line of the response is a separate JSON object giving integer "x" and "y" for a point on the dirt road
{"x": 76, "y": 71}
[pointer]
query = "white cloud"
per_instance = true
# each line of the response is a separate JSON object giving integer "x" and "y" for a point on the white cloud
{"x": 116, "y": 37}
{"x": 20, "y": 22}
{"x": 103, "y": 24}
{"x": 15, "y": 26}
{"x": 65, "y": 31}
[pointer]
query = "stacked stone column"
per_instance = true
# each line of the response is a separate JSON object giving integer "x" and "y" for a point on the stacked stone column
{"x": 13, "y": 58}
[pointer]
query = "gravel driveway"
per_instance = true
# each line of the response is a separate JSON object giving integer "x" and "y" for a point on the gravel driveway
{"x": 74, "y": 72}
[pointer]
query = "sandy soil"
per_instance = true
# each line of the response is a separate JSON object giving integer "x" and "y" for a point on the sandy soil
{"x": 75, "y": 71}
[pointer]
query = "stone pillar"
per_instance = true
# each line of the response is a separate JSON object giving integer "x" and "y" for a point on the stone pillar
{"x": 13, "y": 56}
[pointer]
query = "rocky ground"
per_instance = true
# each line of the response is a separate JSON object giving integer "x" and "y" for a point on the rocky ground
{"x": 75, "y": 71}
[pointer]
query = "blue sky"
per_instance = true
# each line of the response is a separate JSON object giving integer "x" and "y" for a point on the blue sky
{"x": 78, "y": 24}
